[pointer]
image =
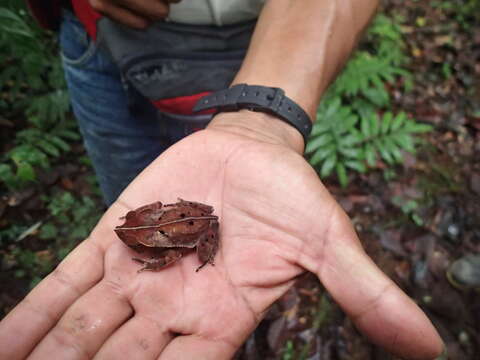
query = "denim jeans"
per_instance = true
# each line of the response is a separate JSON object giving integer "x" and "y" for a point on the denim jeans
{"x": 122, "y": 130}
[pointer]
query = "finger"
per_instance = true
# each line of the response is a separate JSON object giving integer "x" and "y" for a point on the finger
{"x": 24, "y": 326}
{"x": 376, "y": 305}
{"x": 124, "y": 16}
{"x": 154, "y": 10}
{"x": 140, "y": 337}
{"x": 87, "y": 323}
{"x": 197, "y": 347}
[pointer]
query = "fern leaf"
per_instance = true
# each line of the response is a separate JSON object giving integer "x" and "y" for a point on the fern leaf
{"x": 384, "y": 153}
{"x": 59, "y": 143}
{"x": 356, "y": 165}
{"x": 374, "y": 124}
{"x": 342, "y": 174}
{"x": 350, "y": 120}
{"x": 405, "y": 141}
{"x": 353, "y": 152}
{"x": 318, "y": 142}
{"x": 370, "y": 154}
{"x": 328, "y": 165}
{"x": 68, "y": 134}
{"x": 365, "y": 127}
{"x": 395, "y": 151}
{"x": 399, "y": 121}
{"x": 321, "y": 154}
{"x": 29, "y": 154}
{"x": 25, "y": 171}
{"x": 386, "y": 122}
{"x": 48, "y": 148}
{"x": 349, "y": 140}
{"x": 414, "y": 127}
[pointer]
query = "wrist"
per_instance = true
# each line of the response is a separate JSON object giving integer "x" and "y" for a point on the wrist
{"x": 259, "y": 126}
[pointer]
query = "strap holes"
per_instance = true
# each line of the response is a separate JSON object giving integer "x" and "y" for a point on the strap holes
{"x": 257, "y": 93}
{"x": 289, "y": 109}
{"x": 244, "y": 93}
{"x": 269, "y": 97}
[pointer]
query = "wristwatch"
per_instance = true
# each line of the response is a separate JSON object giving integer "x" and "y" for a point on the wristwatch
{"x": 258, "y": 98}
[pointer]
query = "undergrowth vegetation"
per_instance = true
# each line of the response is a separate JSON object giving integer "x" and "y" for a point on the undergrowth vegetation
{"x": 35, "y": 109}
{"x": 356, "y": 127}
{"x": 32, "y": 81}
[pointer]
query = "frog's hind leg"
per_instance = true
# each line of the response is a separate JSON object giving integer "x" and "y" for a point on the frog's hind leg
{"x": 167, "y": 258}
{"x": 210, "y": 261}
{"x": 206, "y": 249}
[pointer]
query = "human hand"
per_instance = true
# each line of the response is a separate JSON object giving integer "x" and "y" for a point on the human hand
{"x": 276, "y": 221}
{"x": 137, "y": 14}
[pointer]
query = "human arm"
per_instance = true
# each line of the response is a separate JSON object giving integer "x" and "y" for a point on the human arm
{"x": 300, "y": 46}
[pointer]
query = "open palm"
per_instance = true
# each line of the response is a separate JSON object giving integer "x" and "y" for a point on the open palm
{"x": 276, "y": 221}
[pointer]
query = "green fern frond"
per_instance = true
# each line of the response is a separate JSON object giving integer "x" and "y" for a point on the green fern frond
{"x": 341, "y": 140}
{"x": 366, "y": 75}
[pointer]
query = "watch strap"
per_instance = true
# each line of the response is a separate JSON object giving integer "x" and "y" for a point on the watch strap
{"x": 258, "y": 98}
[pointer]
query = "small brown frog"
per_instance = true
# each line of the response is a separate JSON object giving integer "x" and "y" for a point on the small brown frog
{"x": 168, "y": 231}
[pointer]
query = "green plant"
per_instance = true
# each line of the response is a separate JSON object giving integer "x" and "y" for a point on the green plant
{"x": 288, "y": 351}
{"x": 343, "y": 140}
{"x": 32, "y": 78}
{"x": 35, "y": 148}
{"x": 466, "y": 13}
{"x": 71, "y": 220}
{"x": 321, "y": 315}
{"x": 11, "y": 233}
{"x": 29, "y": 55}
{"x": 409, "y": 208}
{"x": 32, "y": 264}
{"x": 355, "y": 126}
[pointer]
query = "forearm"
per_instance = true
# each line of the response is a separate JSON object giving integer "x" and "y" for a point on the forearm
{"x": 301, "y": 45}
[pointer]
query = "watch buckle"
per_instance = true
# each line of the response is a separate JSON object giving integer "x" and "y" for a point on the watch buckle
{"x": 231, "y": 102}
{"x": 276, "y": 98}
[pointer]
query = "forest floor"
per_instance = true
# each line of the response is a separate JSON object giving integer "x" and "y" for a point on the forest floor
{"x": 414, "y": 220}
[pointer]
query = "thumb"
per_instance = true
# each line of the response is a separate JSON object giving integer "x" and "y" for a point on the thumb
{"x": 378, "y": 307}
